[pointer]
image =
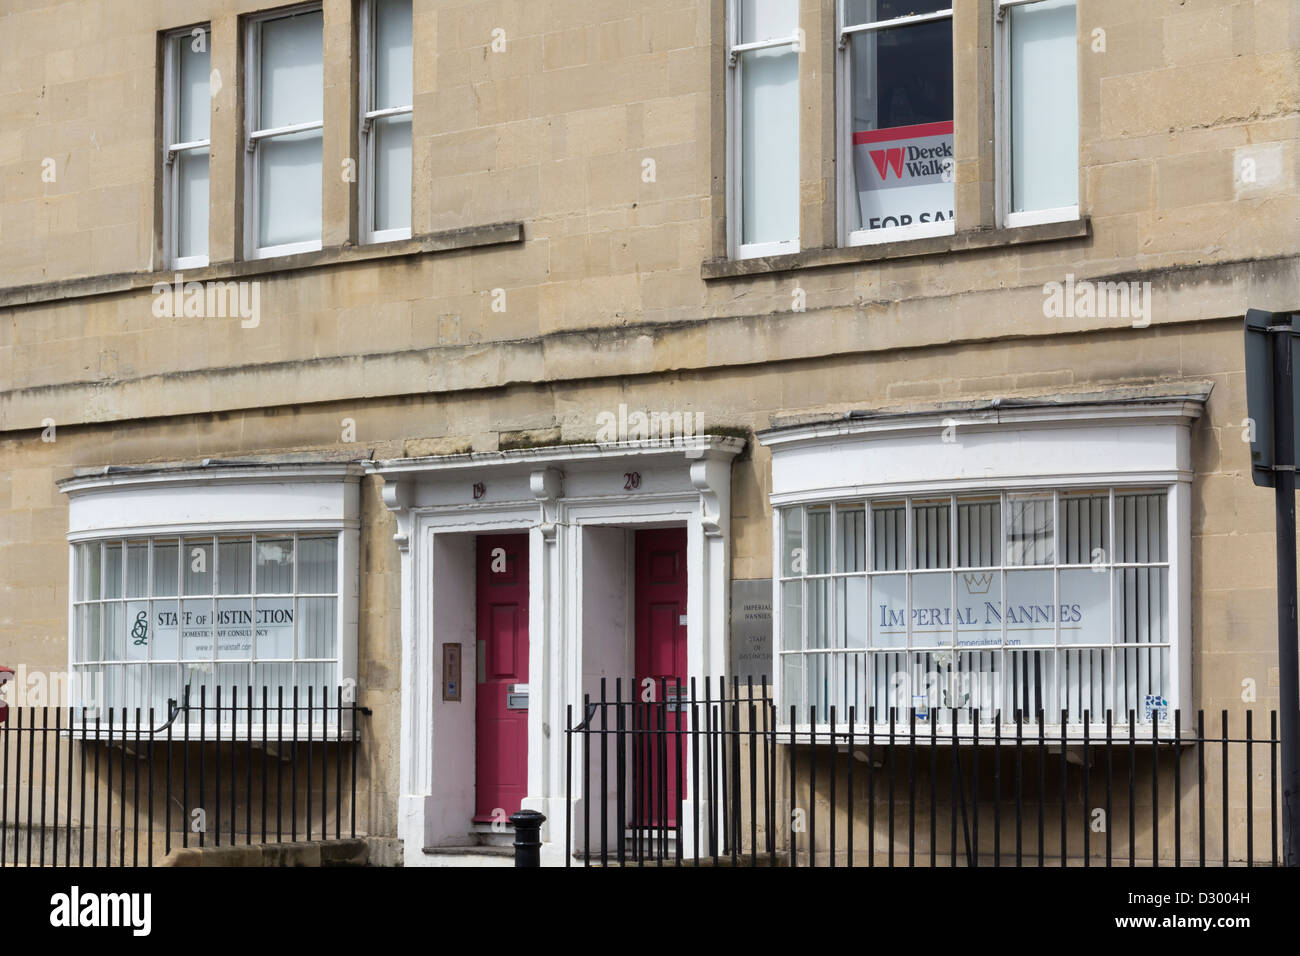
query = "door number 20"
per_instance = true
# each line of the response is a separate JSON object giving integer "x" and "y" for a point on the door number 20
{"x": 631, "y": 480}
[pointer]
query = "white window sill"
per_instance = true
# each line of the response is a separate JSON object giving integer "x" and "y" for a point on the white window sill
{"x": 923, "y": 230}
{"x": 966, "y": 734}
{"x": 756, "y": 250}
{"x": 948, "y": 243}
{"x": 119, "y": 733}
{"x": 189, "y": 262}
{"x": 287, "y": 249}
{"x": 1041, "y": 217}
{"x": 388, "y": 235}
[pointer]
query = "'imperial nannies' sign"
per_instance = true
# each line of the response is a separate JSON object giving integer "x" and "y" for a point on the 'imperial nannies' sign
{"x": 1029, "y": 615}
{"x": 904, "y": 175}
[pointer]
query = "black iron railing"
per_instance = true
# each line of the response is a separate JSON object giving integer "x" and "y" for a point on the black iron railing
{"x": 662, "y": 775}
{"x": 124, "y": 786}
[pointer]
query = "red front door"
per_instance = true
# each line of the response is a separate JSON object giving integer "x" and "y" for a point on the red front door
{"x": 660, "y": 656}
{"x": 501, "y": 714}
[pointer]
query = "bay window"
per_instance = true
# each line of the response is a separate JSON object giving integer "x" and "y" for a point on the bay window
{"x": 386, "y": 97}
{"x": 1038, "y": 111}
{"x": 763, "y": 61}
{"x": 210, "y": 577}
{"x": 186, "y": 142}
{"x": 896, "y": 120}
{"x": 1037, "y": 601}
{"x": 284, "y": 107}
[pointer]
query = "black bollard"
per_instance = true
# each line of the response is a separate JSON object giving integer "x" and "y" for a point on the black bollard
{"x": 528, "y": 840}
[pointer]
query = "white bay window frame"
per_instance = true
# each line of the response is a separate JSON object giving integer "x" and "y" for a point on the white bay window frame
{"x": 367, "y": 134}
{"x": 1003, "y": 120}
{"x": 174, "y": 149}
{"x": 317, "y": 500}
{"x": 255, "y": 135}
{"x": 998, "y": 690}
{"x": 736, "y": 50}
{"x": 1138, "y": 444}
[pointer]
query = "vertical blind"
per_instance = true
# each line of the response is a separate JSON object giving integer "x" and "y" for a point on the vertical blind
{"x": 1001, "y": 602}
{"x": 152, "y": 615}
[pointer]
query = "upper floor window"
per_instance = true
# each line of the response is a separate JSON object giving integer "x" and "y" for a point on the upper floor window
{"x": 1038, "y": 111}
{"x": 386, "y": 98}
{"x": 896, "y": 121}
{"x": 186, "y": 117}
{"x": 284, "y": 109}
{"x": 763, "y": 59}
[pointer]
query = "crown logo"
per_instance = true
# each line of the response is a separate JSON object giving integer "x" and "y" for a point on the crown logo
{"x": 978, "y": 583}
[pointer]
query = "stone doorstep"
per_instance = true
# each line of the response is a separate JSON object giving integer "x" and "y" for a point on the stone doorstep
{"x": 475, "y": 855}
{"x": 363, "y": 851}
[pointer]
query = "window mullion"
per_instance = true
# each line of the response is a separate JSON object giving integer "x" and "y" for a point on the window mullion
{"x": 1110, "y": 574}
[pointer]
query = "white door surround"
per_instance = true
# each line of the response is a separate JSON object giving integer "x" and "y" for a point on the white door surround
{"x": 553, "y": 493}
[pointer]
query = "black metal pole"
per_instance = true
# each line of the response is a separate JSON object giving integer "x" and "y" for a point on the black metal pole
{"x": 528, "y": 844}
{"x": 1288, "y": 659}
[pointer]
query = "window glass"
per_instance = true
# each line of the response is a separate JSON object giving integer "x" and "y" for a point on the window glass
{"x": 979, "y": 531}
{"x": 889, "y": 535}
{"x": 192, "y": 202}
{"x": 289, "y": 188}
{"x": 274, "y": 565}
{"x": 931, "y": 522}
{"x": 1068, "y": 621}
{"x": 392, "y": 53}
{"x": 769, "y": 146}
{"x": 792, "y": 545}
{"x": 1044, "y": 110}
{"x": 286, "y": 180}
{"x": 901, "y": 131}
{"x": 767, "y": 19}
{"x": 1029, "y": 529}
{"x": 851, "y": 537}
{"x": 235, "y": 566}
{"x": 874, "y": 11}
{"x": 291, "y": 75}
{"x": 193, "y": 100}
{"x": 1085, "y": 527}
{"x": 393, "y": 172}
{"x": 246, "y": 605}
{"x": 386, "y": 146}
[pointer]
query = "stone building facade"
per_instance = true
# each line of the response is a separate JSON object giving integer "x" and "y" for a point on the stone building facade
{"x": 617, "y": 212}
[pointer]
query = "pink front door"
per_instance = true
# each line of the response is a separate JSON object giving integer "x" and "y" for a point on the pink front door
{"x": 661, "y": 656}
{"x": 501, "y": 714}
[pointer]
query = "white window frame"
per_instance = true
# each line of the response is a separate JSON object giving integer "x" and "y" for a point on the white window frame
{"x": 1134, "y": 441}
{"x": 253, "y": 134}
{"x": 214, "y": 501}
{"x": 149, "y": 665}
{"x": 844, "y": 135}
{"x": 1004, "y": 567}
{"x": 366, "y": 127}
{"x": 172, "y": 149}
{"x": 1002, "y": 122}
{"x": 736, "y": 186}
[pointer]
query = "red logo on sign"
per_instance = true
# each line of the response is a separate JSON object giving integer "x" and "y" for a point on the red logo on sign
{"x": 886, "y": 159}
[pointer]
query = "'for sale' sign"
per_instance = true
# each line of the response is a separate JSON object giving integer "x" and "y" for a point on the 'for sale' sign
{"x": 904, "y": 175}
